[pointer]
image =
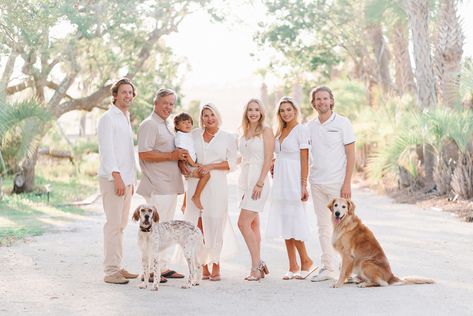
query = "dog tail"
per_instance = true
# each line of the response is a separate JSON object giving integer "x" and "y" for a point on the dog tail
{"x": 410, "y": 281}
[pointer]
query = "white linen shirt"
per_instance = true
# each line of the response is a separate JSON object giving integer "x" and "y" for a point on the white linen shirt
{"x": 116, "y": 146}
{"x": 327, "y": 153}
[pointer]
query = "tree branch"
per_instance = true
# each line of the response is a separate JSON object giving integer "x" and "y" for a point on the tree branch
{"x": 7, "y": 72}
{"x": 19, "y": 87}
{"x": 84, "y": 104}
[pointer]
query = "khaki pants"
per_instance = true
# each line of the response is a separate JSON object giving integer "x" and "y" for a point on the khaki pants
{"x": 321, "y": 196}
{"x": 117, "y": 210}
{"x": 166, "y": 206}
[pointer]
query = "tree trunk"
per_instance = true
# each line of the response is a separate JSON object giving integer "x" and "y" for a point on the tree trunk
{"x": 448, "y": 54}
{"x": 404, "y": 77}
{"x": 429, "y": 165}
{"x": 28, "y": 167}
{"x": 381, "y": 54}
{"x": 418, "y": 13}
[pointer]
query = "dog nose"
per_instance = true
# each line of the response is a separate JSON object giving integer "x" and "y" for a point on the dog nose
{"x": 337, "y": 213}
{"x": 146, "y": 216}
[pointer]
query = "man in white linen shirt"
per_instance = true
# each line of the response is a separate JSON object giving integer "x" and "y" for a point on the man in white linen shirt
{"x": 117, "y": 177}
{"x": 162, "y": 180}
{"x": 332, "y": 163}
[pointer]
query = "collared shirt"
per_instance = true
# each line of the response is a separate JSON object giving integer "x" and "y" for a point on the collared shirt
{"x": 154, "y": 134}
{"x": 328, "y": 158}
{"x": 116, "y": 146}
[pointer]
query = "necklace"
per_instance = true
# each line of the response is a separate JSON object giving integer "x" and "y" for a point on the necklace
{"x": 213, "y": 135}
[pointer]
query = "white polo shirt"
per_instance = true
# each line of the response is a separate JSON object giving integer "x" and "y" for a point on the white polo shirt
{"x": 116, "y": 146}
{"x": 327, "y": 154}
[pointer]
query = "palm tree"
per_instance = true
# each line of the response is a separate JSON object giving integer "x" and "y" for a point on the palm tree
{"x": 19, "y": 134}
{"x": 448, "y": 53}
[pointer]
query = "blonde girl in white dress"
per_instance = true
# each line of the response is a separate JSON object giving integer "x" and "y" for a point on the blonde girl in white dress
{"x": 288, "y": 215}
{"x": 256, "y": 147}
{"x": 216, "y": 152}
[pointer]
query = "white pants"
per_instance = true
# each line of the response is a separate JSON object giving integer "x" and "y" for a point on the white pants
{"x": 166, "y": 206}
{"x": 321, "y": 196}
{"x": 117, "y": 209}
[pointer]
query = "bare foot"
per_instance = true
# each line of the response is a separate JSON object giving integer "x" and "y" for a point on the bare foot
{"x": 205, "y": 272}
{"x": 197, "y": 203}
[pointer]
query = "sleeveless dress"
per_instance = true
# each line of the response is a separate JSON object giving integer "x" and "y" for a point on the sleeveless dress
{"x": 288, "y": 216}
{"x": 252, "y": 159}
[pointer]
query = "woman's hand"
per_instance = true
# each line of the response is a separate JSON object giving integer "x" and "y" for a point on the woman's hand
{"x": 204, "y": 169}
{"x": 304, "y": 193}
{"x": 256, "y": 192}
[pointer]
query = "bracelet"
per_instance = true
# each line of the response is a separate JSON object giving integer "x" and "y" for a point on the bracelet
{"x": 259, "y": 185}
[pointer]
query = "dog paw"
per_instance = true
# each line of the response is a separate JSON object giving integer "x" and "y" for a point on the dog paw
{"x": 143, "y": 285}
{"x": 154, "y": 288}
{"x": 185, "y": 286}
{"x": 195, "y": 283}
{"x": 336, "y": 285}
{"x": 362, "y": 285}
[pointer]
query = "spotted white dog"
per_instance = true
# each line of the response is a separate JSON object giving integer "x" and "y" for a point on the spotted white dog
{"x": 154, "y": 236}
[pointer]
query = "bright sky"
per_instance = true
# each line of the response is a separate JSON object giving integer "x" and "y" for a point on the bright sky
{"x": 223, "y": 72}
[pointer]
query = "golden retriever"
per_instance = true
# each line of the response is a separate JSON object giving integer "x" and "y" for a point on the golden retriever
{"x": 360, "y": 251}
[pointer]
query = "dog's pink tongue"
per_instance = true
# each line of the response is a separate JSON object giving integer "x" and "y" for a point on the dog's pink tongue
{"x": 337, "y": 220}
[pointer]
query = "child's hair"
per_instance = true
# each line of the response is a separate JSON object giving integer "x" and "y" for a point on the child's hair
{"x": 182, "y": 117}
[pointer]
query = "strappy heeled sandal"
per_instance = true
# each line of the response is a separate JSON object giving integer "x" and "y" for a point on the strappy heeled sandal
{"x": 255, "y": 278}
{"x": 263, "y": 268}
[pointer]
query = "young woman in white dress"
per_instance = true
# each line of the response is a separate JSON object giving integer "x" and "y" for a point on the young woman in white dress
{"x": 256, "y": 146}
{"x": 216, "y": 152}
{"x": 288, "y": 217}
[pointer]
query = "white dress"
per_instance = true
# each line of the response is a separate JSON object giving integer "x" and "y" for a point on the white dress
{"x": 288, "y": 215}
{"x": 252, "y": 159}
{"x": 214, "y": 198}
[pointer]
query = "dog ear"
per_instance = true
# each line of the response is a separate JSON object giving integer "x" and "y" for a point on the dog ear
{"x": 330, "y": 205}
{"x": 155, "y": 214}
{"x": 136, "y": 214}
{"x": 351, "y": 207}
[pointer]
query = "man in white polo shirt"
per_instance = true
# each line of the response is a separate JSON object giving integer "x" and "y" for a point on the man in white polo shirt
{"x": 117, "y": 177}
{"x": 332, "y": 163}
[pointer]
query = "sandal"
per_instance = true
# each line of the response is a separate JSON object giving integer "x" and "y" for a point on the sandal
{"x": 171, "y": 274}
{"x": 290, "y": 275}
{"x": 304, "y": 274}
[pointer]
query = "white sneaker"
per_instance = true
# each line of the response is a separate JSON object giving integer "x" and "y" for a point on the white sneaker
{"x": 324, "y": 275}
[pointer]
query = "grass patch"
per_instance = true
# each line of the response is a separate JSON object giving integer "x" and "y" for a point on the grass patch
{"x": 30, "y": 214}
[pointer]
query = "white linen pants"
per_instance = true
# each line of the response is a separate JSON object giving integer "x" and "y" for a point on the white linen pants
{"x": 117, "y": 209}
{"x": 321, "y": 196}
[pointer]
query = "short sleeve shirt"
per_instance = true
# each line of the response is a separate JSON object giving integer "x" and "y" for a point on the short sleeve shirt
{"x": 184, "y": 141}
{"x": 327, "y": 155}
{"x": 162, "y": 178}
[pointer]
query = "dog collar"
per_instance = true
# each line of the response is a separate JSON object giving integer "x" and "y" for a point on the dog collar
{"x": 145, "y": 230}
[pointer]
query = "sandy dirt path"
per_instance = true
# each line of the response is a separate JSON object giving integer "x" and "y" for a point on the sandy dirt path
{"x": 61, "y": 273}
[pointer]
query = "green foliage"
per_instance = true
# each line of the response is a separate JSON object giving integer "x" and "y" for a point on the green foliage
{"x": 31, "y": 215}
{"x": 19, "y": 130}
{"x": 413, "y": 129}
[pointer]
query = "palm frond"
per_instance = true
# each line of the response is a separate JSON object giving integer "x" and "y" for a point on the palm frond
{"x": 15, "y": 114}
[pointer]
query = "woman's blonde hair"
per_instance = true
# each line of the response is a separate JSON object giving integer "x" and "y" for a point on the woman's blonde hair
{"x": 245, "y": 123}
{"x": 280, "y": 123}
{"x": 213, "y": 109}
